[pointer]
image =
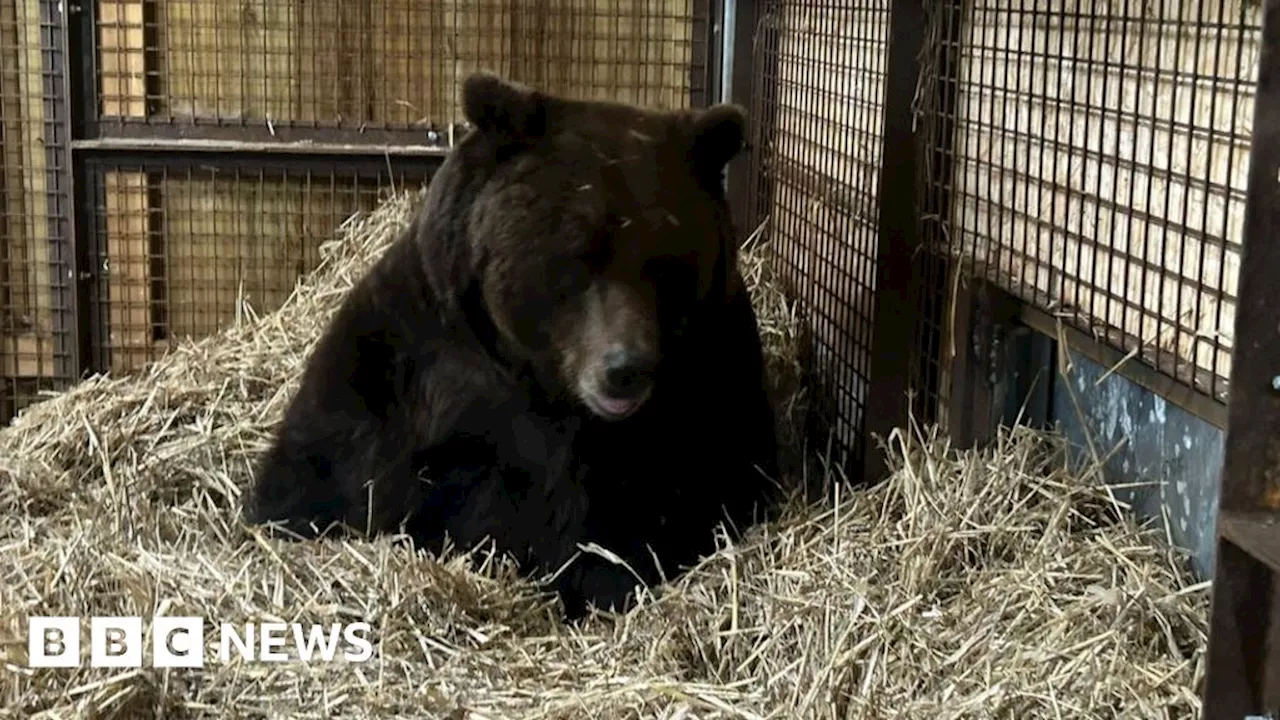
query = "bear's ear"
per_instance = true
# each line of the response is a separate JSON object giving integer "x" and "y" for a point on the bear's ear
{"x": 502, "y": 107}
{"x": 718, "y": 136}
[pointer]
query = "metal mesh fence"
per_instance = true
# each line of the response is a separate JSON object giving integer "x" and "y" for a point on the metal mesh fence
{"x": 1094, "y": 160}
{"x": 180, "y": 248}
{"x": 175, "y": 244}
{"x": 392, "y": 64}
{"x": 37, "y": 321}
{"x": 936, "y": 343}
{"x": 218, "y": 142}
{"x": 817, "y": 132}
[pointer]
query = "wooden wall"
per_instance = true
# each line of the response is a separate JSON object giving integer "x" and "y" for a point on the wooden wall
{"x": 396, "y": 62}
{"x": 184, "y": 247}
{"x": 187, "y": 249}
{"x": 26, "y": 316}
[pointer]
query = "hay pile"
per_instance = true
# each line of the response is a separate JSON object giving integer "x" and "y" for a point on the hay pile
{"x": 975, "y": 585}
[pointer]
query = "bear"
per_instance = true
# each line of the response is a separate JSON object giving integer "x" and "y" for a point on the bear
{"x": 558, "y": 350}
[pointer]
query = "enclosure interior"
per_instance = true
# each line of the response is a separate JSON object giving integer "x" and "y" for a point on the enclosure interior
{"x": 171, "y": 165}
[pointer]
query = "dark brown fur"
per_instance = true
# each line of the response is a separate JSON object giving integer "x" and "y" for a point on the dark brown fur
{"x": 460, "y": 390}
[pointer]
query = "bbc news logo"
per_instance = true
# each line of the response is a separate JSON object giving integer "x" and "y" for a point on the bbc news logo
{"x": 179, "y": 642}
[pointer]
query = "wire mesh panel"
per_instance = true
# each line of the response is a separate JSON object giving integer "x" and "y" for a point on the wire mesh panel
{"x": 178, "y": 243}
{"x": 1100, "y": 165}
{"x": 394, "y": 64}
{"x": 817, "y": 126}
{"x": 936, "y": 342}
{"x": 37, "y": 326}
{"x": 181, "y": 248}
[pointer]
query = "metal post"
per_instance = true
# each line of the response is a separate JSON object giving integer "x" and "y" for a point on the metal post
{"x": 62, "y": 292}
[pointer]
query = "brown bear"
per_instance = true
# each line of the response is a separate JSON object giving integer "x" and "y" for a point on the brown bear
{"x": 559, "y": 350}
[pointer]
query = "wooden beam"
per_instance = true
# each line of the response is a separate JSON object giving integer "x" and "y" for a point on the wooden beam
{"x": 1243, "y": 672}
{"x": 896, "y": 302}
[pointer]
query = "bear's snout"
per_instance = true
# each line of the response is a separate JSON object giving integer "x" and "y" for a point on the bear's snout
{"x": 627, "y": 372}
{"x": 619, "y": 382}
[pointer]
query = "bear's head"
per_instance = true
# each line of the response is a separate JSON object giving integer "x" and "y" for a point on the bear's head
{"x": 595, "y": 235}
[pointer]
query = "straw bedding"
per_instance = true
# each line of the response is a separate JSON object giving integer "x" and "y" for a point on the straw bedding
{"x": 990, "y": 584}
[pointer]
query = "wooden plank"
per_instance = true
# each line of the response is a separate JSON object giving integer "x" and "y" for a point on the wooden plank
{"x": 128, "y": 243}
{"x": 244, "y": 238}
{"x": 983, "y": 313}
{"x": 27, "y": 355}
{"x": 122, "y": 58}
{"x": 897, "y": 303}
{"x": 1243, "y": 674}
{"x": 1202, "y": 405}
{"x": 411, "y": 78}
{"x": 1256, "y": 533}
{"x": 402, "y": 61}
{"x": 27, "y": 325}
{"x": 13, "y": 163}
{"x": 1242, "y": 613}
{"x": 35, "y": 252}
{"x": 231, "y": 60}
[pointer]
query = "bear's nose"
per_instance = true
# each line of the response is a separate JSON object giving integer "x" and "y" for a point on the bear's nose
{"x": 626, "y": 372}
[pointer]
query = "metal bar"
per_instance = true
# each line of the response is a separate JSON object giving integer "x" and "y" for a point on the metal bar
{"x": 896, "y": 303}
{"x": 1241, "y": 678}
{"x": 82, "y": 33}
{"x": 227, "y": 146}
{"x": 411, "y": 165}
{"x": 747, "y": 184}
{"x": 728, "y": 22}
{"x": 90, "y": 236}
{"x": 82, "y": 91}
{"x": 707, "y": 52}
{"x": 934, "y": 338}
{"x": 138, "y": 130}
{"x": 62, "y": 294}
{"x": 1248, "y": 484}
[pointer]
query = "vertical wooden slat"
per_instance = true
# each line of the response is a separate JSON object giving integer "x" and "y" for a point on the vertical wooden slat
{"x": 27, "y": 326}
{"x": 128, "y": 270}
{"x": 233, "y": 60}
{"x": 122, "y": 58}
{"x": 896, "y": 305}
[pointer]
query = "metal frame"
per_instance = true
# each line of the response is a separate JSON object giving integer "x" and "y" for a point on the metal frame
{"x": 93, "y": 164}
{"x": 62, "y": 223}
{"x": 745, "y": 179}
{"x": 932, "y": 377}
{"x": 1243, "y": 673}
{"x": 1187, "y": 390}
{"x": 897, "y": 309}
